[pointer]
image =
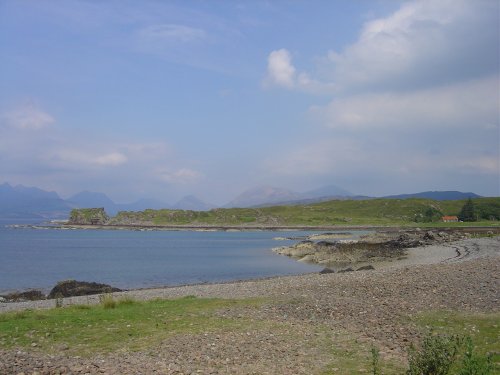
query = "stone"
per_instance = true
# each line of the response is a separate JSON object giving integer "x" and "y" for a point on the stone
{"x": 429, "y": 235}
{"x": 326, "y": 270}
{"x": 72, "y": 288}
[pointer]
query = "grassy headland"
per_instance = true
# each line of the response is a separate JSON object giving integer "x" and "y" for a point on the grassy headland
{"x": 373, "y": 212}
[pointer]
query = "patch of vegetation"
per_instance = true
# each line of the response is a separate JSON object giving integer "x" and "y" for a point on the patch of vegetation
{"x": 115, "y": 324}
{"x": 350, "y": 356}
{"x": 456, "y": 344}
{"x": 468, "y": 212}
{"x": 479, "y": 348}
{"x": 431, "y": 214}
{"x": 88, "y": 216}
{"x": 445, "y": 354}
{"x": 435, "y": 356}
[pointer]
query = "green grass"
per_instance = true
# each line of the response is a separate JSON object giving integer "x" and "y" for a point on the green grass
{"x": 379, "y": 212}
{"x": 115, "y": 324}
{"x": 484, "y": 330}
{"x": 350, "y": 356}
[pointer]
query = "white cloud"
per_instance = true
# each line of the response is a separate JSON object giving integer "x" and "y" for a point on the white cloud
{"x": 112, "y": 159}
{"x": 181, "y": 176}
{"x": 426, "y": 43}
{"x": 423, "y": 44}
{"x": 472, "y": 105}
{"x": 280, "y": 71}
{"x": 173, "y": 32}
{"x": 82, "y": 157}
{"x": 27, "y": 117}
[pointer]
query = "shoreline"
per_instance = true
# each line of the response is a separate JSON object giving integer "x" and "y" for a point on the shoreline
{"x": 271, "y": 228}
{"x": 470, "y": 250}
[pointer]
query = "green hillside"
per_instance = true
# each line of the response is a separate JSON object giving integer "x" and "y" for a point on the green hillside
{"x": 336, "y": 212}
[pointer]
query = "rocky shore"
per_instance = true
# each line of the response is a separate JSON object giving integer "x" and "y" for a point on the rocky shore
{"x": 369, "y": 306}
{"x": 375, "y": 248}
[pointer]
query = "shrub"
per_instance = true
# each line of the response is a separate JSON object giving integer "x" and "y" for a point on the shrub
{"x": 474, "y": 364}
{"x": 107, "y": 301}
{"x": 375, "y": 361}
{"x": 126, "y": 301}
{"x": 435, "y": 357}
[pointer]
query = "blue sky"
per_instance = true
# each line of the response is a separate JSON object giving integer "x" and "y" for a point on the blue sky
{"x": 162, "y": 99}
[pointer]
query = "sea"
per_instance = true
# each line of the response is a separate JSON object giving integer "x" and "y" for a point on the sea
{"x": 130, "y": 259}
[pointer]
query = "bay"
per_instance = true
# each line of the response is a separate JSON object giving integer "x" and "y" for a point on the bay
{"x": 128, "y": 259}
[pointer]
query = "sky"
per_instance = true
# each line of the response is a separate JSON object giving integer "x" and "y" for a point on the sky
{"x": 162, "y": 99}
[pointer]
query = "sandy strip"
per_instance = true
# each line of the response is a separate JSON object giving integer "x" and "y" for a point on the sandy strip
{"x": 448, "y": 252}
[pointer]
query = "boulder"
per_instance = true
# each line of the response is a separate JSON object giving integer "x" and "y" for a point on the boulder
{"x": 326, "y": 270}
{"x": 429, "y": 235}
{"x": 72, "y": 288}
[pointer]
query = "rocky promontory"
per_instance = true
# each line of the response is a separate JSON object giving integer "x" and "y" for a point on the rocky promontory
{"x": 375, "y": 247}
{"x": 88, "y": 216}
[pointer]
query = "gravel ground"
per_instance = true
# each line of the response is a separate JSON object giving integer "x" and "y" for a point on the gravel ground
{"x": 372, "y": 306}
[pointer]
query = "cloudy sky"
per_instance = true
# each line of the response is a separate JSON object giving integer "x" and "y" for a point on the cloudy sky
{"x": 161, "y": 99}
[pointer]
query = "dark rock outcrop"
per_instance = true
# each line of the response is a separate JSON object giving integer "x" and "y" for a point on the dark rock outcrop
{"x": 326, "y": 270}
{"x": 72, "y": 288}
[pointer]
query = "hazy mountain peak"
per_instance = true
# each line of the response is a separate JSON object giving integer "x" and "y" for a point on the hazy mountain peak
{"x": 191, "y": 202}
{"x": 437, "y": 195}
{"x": 327, "y": 191}
{"x": 90, "y": 199}
{"x": 263, "y": 195}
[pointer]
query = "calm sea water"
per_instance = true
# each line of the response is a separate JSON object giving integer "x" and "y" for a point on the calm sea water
{"x": 33, "y": 258}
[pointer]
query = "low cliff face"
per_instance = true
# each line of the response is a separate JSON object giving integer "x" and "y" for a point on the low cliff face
{"x": 88, "y": 216}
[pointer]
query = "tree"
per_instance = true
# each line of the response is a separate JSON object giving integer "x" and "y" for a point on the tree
{"x": 468, "y": 212}
{"x": 432, "y": 214}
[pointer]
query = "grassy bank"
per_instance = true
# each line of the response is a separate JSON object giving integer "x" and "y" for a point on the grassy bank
{"x": 373, "y": 212}
{"x": 114, "y": 324}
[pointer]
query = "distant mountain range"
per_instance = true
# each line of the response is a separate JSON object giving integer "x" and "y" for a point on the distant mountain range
{"x": 31, "y": 202}
{"x": 437, "y": 195}
{"x": 268, "y": 195}
{"x": 24, "y": 202}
